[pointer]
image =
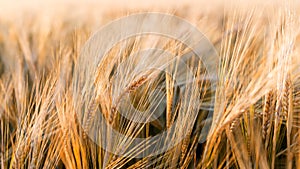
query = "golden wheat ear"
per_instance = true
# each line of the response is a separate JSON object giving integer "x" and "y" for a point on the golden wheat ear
{"x": 56, "y": 105}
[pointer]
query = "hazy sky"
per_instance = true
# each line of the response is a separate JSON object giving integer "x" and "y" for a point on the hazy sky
{"x": 16, "y": 5}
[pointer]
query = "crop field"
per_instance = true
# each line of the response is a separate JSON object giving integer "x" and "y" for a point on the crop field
{"x": 153, "y": 84}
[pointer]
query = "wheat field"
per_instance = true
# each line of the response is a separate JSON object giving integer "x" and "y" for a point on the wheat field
{"x": 61, "y": 104}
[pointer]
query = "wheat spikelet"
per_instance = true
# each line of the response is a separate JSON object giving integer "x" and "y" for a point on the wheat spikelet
{"x": 285, "y": 102}
{"x": 184, "y": 148}
{"x": 234, "y": 124}
{"x": 170, "y": 95}
{"x": 266, "y": 114}
{"x": 129, "y": 89}
{"x": 90, "y": 116}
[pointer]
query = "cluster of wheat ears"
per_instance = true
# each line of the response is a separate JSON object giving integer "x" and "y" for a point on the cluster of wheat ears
{"x": 255, "y": 104}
